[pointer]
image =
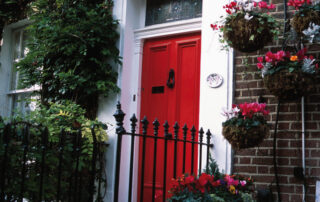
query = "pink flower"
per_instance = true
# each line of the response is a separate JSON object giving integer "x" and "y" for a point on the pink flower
{"x": 260, "y": 59}
{"x": 214, "y": 27}
{"x": 243, "y": 183}
{"x": 280, "y": 55}
{"x": 265, "y": 112}
{"x": 260, "y": 66}
{"x": 269, "y": 56}
{"x": 271, "y": 6}
{"x": 263, "y": 4}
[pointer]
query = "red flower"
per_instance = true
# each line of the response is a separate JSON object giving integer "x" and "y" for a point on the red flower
{"x": 263, "y": 4}
{"x": 298, "y": 3}
{"x": 260, "y": 65}
{"x": 280, "y": 55}
{"x": 189, "y": 179}
{"x": 249, "y": 109}
{"x": 260, "y": 59}
{"x": 214, "y": 27}
{"x": 271, "y": 6}
{"x": 301, "y": 53}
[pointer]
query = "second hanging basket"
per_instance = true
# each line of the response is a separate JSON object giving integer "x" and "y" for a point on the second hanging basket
{"x": 290, "y": 86}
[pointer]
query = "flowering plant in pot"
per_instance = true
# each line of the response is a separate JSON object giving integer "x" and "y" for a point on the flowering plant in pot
{"x": 288, "y": 76}
{"x": 211, "y": 188}
{"x": 246, "y": 125}
{"x": 306, "y": 19}
{"x": 247, "y": 27}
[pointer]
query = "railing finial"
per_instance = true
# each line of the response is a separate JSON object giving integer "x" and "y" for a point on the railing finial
{"x": 119, "y": 116}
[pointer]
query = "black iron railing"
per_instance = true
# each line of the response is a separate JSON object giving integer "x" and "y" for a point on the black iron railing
{"x": 195, "y": 141}
{"x": 36, "y": 167}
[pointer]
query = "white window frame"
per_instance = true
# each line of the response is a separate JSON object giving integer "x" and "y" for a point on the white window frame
{"x": 6, "y": 69}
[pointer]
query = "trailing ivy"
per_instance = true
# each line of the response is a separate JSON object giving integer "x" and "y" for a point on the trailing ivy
{"x": 72, "y": 52}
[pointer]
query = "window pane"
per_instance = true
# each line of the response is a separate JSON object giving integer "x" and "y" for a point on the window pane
{"x": 24, "y": 49}
{"x": 20, "y": 51}
{"x": 21, "y": 103}
{"x": 16, "y": 44}
{"x": 161, "y": 11}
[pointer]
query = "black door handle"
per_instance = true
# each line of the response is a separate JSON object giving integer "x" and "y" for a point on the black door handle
{"x": 170, "y": 82}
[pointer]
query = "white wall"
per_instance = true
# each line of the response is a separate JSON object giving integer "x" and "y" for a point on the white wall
{"x": 212, "y": 100}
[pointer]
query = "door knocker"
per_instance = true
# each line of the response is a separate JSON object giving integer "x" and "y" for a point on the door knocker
{"x": 170, "y": 82}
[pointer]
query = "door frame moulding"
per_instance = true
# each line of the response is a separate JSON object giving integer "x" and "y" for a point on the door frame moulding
{"x": 167, "y": 29}
{"x": 156, "y": 31}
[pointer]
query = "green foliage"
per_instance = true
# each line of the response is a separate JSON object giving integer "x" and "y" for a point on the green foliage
{"x": 65, "y": 116}
{"x": 248, "y": 123}
{"x": 213, "y": 168}
{"x": 72, "y": 52}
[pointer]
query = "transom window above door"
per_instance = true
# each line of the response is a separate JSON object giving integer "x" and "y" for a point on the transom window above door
{"x": 162, "y": 11}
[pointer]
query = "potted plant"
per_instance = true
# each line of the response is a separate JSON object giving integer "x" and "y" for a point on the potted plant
{"x": 246, "y": 125}
{"x": 288, "y": 76}
{"x": 247, "y": 27}
{"x": 306, "y": 19}
{"x": 208, "y": 187}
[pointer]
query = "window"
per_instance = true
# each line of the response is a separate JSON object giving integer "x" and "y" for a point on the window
{"x": 161, "y": 11}
{"x": 13, "y": 50}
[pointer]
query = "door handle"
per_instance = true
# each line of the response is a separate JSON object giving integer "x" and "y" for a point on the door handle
{"x": 171, "y": 82}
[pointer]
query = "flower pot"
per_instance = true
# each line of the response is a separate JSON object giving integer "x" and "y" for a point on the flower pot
{"x": 289, "y": 86}
{"x": 243, "y": 35}
{"x": 302, "y": 20}
{"x": 241, "y": 138}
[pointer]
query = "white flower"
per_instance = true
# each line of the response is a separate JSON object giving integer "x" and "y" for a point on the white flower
{"x": 230, "y": 113}
{"x": 312, "y": 32}
{"x": 248, "y": 17}
{"x": 249, "y": 7}
{"x": 265, "y": 69}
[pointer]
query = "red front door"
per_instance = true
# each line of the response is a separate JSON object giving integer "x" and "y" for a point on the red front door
{"x": 178, "y": 58}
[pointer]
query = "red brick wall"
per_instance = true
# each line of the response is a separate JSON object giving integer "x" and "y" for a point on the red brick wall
{"x": 258, "y": 162}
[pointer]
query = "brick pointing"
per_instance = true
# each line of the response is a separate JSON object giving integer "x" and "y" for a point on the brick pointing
{"x": 257, "y": 162}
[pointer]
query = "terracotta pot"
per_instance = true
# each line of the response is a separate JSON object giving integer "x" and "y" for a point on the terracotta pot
{"x": 241, "y": 138}
{"x": 289, "y": 86}
{"x": 238, "y": 33}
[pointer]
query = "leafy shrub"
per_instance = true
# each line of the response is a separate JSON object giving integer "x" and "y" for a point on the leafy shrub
{"x": 72, "y": 51}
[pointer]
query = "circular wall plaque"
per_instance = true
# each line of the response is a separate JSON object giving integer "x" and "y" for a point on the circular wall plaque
{"x": 214, "y": 80}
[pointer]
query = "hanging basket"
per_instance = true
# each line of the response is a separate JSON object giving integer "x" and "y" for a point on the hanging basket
{"x": 241, "y": 138}
{"x": 289, "y": 86}
{"x": 302, "y": 20}
{"x": 243, "y": 35}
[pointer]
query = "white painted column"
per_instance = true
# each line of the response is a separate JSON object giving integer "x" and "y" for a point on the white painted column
{"x": 212, "y": 100}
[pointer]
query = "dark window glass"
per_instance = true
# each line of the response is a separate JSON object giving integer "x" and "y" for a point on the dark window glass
{"x": 161, "y": 11}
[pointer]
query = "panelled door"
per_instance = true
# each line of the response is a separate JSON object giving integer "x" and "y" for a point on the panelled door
{"x": 169, "y": 91}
